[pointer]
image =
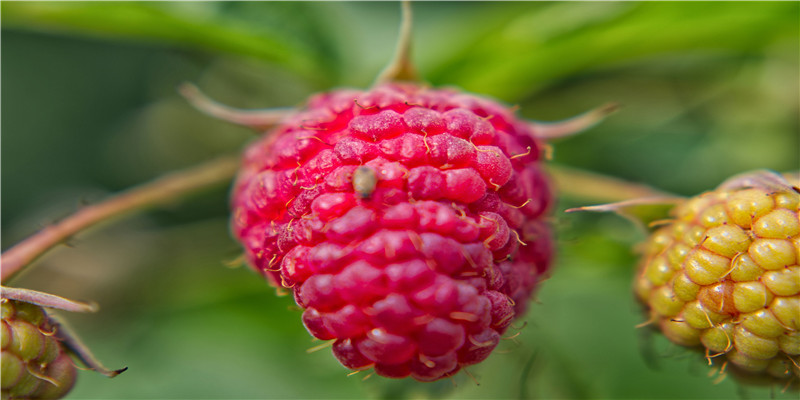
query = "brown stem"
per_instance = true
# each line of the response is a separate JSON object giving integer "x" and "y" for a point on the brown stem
{"x": 163, "y": 190}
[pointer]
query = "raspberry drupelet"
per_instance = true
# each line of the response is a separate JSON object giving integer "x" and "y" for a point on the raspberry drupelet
{"x": 407, "y": 221}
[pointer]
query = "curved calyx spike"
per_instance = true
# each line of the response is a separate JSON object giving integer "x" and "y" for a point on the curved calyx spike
{"x": 401, "y": 68}
{"x": 793, "y": 178}
{"x": 644, "y": 212}
{"x": 74, "y": 344}
{"x": 764, "y": 179}
{"x": 47, "y": 300}
{"x": 649, "y": 211}
{"x": 256, "y": 119}
{"x": 571, "y": 126}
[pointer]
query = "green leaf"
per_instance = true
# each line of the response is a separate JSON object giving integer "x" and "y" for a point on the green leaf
{"x": 548, "y": 43}
{"x": 212, "y": 26}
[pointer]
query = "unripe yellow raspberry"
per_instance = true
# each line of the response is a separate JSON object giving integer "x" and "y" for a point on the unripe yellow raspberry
{"x": 722, "y": 276}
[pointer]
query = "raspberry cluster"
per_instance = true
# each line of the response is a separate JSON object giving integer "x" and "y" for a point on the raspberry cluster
{"x": 34, "y": 365}
{"x": 408, "y": 222}
{"x": 724, "y": 277}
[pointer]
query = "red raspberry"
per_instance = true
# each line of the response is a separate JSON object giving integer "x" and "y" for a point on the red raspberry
{"x": 408, "y": 222}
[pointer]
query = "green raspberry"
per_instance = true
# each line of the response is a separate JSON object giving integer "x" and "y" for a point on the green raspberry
{"x": 34, "y": 364}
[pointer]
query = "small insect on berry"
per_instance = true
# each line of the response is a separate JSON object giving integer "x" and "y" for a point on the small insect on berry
{"x": 365, "y": 180}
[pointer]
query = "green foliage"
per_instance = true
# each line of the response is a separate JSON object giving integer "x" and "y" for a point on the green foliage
{"x": 556, "y": 40}
{"x": 210, "y": 26}
{"x": 708, "y": 90}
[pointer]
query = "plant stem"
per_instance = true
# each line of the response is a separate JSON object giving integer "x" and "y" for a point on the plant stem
{"x": 163, "y": 190}
{"x": 589, "y": 186}
{"x": 401, "y": 68}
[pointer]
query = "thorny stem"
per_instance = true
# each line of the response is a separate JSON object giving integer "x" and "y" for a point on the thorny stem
{"x": 401, "y": 68}
{"x": 164, "y": 190}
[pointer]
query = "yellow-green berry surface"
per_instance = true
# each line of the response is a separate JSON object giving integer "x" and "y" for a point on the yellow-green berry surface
{"x": 723, "y": 277}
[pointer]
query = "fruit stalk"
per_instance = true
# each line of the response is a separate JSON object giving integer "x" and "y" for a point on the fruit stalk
{"x": 401, "y": 68}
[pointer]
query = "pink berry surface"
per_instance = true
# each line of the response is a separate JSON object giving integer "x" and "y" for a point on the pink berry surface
{"x": 407, "y": 221}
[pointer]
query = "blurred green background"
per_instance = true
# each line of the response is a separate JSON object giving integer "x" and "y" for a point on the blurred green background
{"x": 90, "y": 108}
